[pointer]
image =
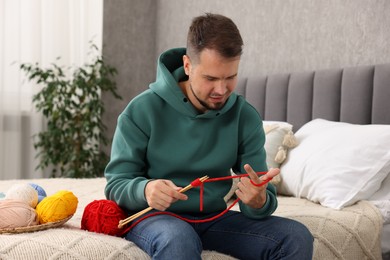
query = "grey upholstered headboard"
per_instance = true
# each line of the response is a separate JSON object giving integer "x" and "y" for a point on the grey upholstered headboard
{"x": 359, "y": 95}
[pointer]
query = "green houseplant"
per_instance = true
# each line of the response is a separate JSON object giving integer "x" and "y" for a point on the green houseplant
{"x": 70, "y": 101}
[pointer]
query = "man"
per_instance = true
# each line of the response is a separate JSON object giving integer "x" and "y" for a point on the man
{"x": 188, "y": 124}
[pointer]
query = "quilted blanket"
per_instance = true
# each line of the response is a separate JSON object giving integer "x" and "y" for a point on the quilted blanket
{"x": 352, "y": 233}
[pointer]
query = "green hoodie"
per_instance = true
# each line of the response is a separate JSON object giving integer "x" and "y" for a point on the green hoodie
{"x": 160, "y": 135}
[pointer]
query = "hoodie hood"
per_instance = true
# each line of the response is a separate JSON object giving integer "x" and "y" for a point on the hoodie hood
{"x": 170, "y": 72}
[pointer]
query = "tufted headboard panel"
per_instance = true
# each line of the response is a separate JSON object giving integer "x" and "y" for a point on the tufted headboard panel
{"x": 359, "y": 95}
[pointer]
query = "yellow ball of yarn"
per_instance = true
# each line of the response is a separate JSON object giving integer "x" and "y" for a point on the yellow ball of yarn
{"x": 57, "y": 207}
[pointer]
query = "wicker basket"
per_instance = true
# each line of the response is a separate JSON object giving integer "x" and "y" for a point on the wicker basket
{"x": 35, "y": 227}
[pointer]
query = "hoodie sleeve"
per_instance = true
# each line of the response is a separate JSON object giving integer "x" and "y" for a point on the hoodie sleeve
{"x": 251, "y": 151}
{"x": 125, "y": 173}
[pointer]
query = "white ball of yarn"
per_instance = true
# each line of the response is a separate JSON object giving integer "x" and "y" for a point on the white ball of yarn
{"x": 23, "y": 192}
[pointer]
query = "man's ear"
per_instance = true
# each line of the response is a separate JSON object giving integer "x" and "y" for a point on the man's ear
{"x": 186, "y": 64}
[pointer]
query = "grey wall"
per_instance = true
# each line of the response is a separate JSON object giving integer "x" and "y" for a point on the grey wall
{"x": 279, "y": 36}
{"x": 129, "y": 37}
{"x": 290, "y": 35}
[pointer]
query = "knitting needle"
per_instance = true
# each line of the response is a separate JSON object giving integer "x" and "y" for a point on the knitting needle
{"x": 142, "y": 212}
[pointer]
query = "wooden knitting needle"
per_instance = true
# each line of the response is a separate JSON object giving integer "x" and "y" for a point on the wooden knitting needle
{"x": 142, "y": 212}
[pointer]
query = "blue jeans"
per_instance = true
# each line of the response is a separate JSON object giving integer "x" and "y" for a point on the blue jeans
{"x": 167, "y": 237}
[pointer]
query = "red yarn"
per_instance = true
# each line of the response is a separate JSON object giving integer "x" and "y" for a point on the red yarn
{"x": 103, "y": 216}
{"x": 197, "y": 183}
{"x": 182, "y": 218}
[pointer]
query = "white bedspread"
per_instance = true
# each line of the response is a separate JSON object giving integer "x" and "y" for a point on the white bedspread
{"x": 353, "y": 233}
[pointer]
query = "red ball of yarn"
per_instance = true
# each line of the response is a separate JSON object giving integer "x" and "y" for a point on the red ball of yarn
{"x": 103, "y": 216}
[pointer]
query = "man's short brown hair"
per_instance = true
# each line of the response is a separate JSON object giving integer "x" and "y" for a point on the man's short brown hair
{"x": 216, "y": 32}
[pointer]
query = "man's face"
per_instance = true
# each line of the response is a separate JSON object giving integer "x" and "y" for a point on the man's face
{"x": 211, "y": 80}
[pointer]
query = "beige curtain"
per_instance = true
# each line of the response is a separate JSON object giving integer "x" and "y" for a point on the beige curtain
{"x": 37, "y": 31}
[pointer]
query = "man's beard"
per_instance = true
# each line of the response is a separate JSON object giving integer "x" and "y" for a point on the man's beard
{"x": 204, "y": 104}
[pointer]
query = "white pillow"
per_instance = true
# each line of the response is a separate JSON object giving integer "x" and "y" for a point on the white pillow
{"x": 275, "y": 134}
{"x": 337, "y": 164}
{"x": 279, "y": 138}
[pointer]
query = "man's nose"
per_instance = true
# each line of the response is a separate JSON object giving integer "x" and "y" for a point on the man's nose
{"x": 220, "y": 87}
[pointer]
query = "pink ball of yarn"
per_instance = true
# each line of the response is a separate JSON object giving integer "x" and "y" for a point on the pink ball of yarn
{"x": 103, "y": 216}
{"x": 16, "y": 213}
{"x": 23, "y": 192}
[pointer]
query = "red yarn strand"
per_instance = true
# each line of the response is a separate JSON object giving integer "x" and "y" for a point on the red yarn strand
{"x": 182, "y": 218}
{"x": 197, "y": 183}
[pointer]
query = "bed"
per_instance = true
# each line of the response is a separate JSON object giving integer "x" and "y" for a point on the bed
{"x": 357, "y": 95}
{"x": 298, "y": 103}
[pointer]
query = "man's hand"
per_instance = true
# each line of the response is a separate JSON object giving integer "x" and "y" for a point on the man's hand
{"x": 251, "y": 195}
{"x": 160, "y": 194}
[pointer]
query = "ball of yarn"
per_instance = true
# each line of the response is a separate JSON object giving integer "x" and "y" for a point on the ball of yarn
{"x": 41, "y": 192}
{"x": 2, "y": 195}
{"x": 103, "y": 216}
{"x": 23, "y": 192}
{"x": 57, "y": 207}
{"x": 16, "y": 213}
